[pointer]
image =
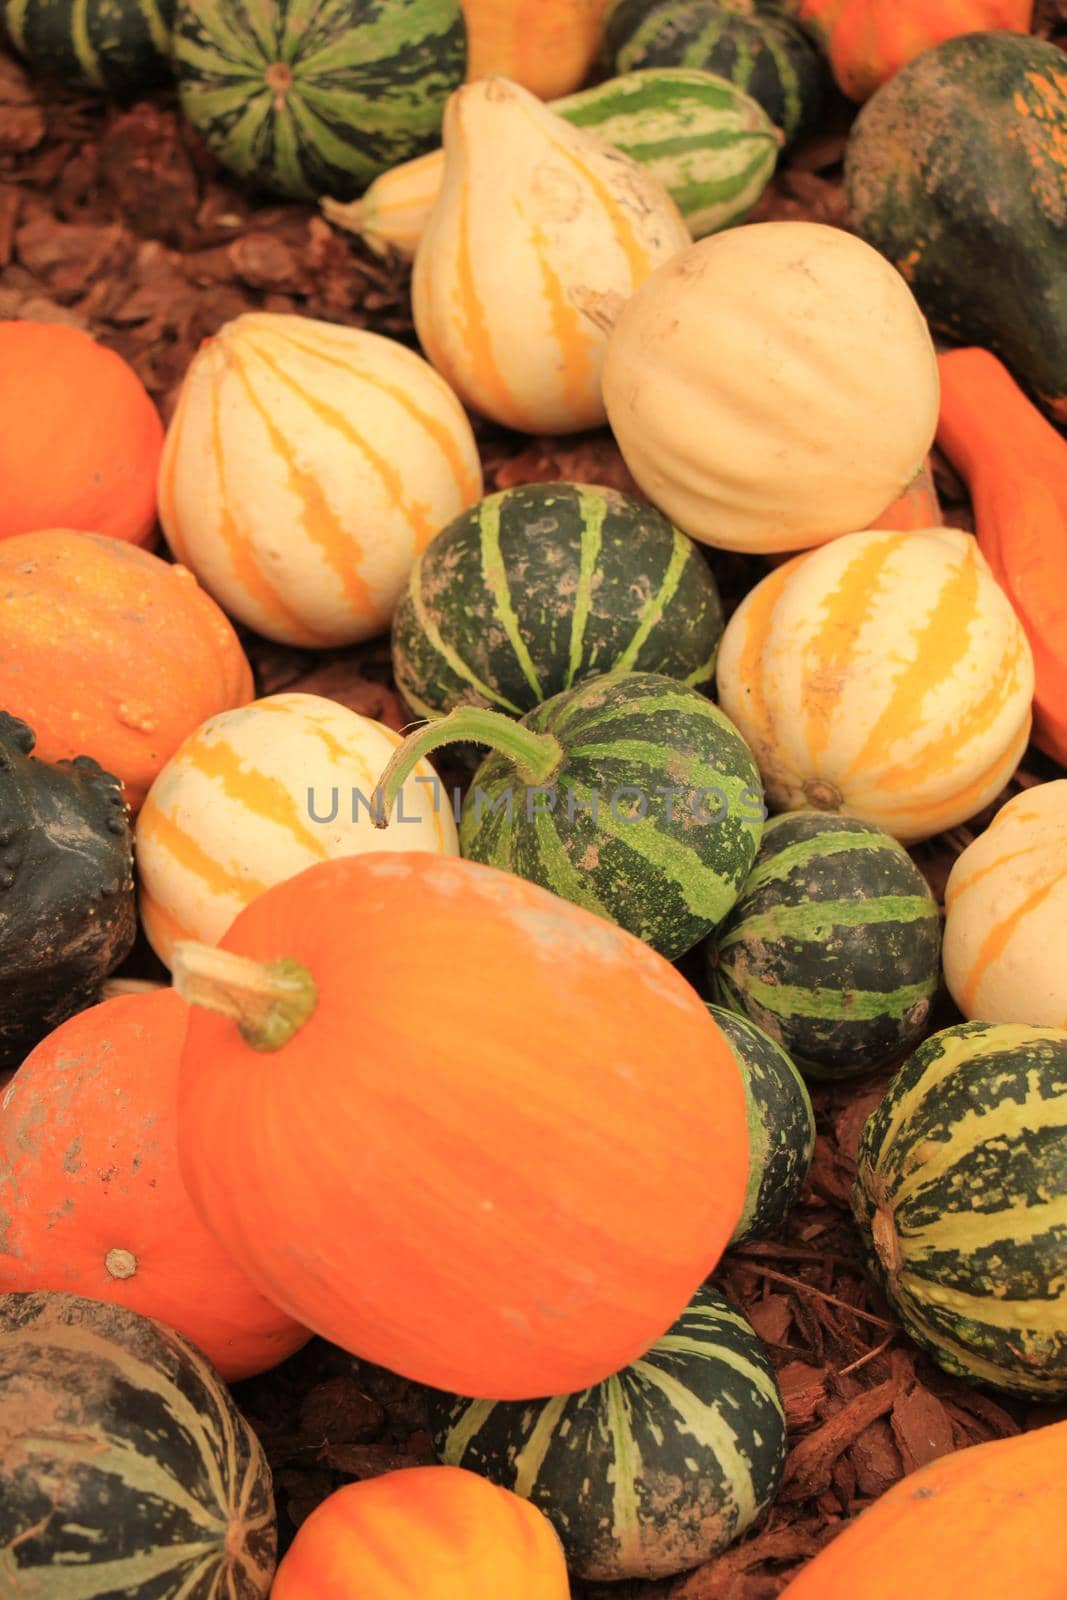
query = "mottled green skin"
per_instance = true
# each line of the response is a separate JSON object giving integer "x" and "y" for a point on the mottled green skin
{"x": 781, "y": 1126}
{"x": 652, "y": 1472}
{"x": 120, "y": 46}
{"x": 121, "y": 1447}
{"x": 766, "y": 53}
{"x": 68, "y": 914}
{"x": 957, "y": 171}
{"x": 538, "y": 588}
{"x": 960, "y": 1195}
{"x": 369, "y": 83}
{"x": 670, "y": 876}
{"x": 833, "y": 947}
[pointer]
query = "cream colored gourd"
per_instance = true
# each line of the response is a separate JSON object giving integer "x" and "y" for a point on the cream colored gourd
{"x": 884, "y": 676}
{"x": 256, "y": 795}
{"x": 539, "y": 235}
{"x": 1006, "y": 914}
{"x": 306, "y": 467}
{"x": 392, "y": 214}
{"x": 773, "y": 386}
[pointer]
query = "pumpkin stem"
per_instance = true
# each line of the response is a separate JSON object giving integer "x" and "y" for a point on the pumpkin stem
{"x": 536, "y": 755}
{"x": 269, "y": 1001}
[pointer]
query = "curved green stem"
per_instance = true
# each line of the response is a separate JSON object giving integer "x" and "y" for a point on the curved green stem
{"x": 536, "y": 755}
{"x": 269, "y": 1001}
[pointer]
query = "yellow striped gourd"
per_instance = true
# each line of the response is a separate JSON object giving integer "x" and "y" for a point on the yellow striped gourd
{"x": 306, "y": 467}
{"x": 882, "y": 676}
{"x": 256, "y": 795}
{"x": 540, "y": 234}
{"x": 1006, "y": 911}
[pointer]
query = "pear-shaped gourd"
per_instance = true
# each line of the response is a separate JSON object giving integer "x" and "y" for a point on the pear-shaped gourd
{"x": 539, "y": 236}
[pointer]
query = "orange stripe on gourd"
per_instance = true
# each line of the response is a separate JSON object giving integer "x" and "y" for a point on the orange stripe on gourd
{"x": 939, "y": 646}
{"x": 954, "y": 890}
{"x": 467, "y": 485}
{"x": 259, "y": 793}
{"x": 996, "y": 940}
{"x": 241, "y": 549}
{"x": 637, "y": 257}
{"x": 751, "y": 669}
{"x": 829, "y": 655}
{"x": 575, "y": 343}
{"x": 339, "y": 548}
{"x": 976, "y": 793}
{"x": 168, "y": 499}
{"x": 161, "y": 829}
{"x": 163, "y": 928}
{"x": 477, "y": 337}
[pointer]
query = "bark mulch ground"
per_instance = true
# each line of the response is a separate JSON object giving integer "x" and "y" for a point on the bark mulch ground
{"x": 114, "y": 219}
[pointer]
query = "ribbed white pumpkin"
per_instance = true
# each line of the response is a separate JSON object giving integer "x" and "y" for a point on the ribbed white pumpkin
{"x": 539, "y": 235}
{"x": 305, "y": 468}
{"x": 773, "y": 386}
{"x": 883, "y": 676}
{"x": 1006, "y": 914}
{"x": 249, "y": 800}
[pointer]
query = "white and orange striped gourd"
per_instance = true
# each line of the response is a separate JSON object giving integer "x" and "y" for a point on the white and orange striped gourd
{"x": 548, "y": 46}
{"x": 773, "y": 386}
{"x": 1006, "y": 914}
{"x": 256, "y": 795}
{"x": 538, "y": 237}
{"x": 306, "y": 467}
{"x": 884, "y": 676}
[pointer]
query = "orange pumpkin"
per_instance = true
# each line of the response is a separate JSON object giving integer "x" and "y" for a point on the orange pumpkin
{"x": 869, "y": 40}
{"x": 495, "y": 1143}
{"x": 80, "y": 440}
{"x": 107, "y": 651}
{"x": 91, "y": 1193}
{"x": 424, "y": 1533}
{"x": 987, "y": 1520}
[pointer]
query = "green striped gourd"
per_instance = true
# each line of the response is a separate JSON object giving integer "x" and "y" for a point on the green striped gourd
{"x": 781, "y": 1126}
{"x": 833, "y": 947}
{"x": 655, "y": 1470}
{"x": 126, "y": 1468}
{"x": 711, "y": 146}
{"x": 631, "y": 795}
{"x": 755, "y": 44}
{"x": 321, "y": 99}
{"x": 539, "y": 587}
{"x": 120, "y": 46}
{"x": 961, "y": 1193}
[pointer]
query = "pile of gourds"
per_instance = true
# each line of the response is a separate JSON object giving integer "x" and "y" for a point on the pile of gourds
{"x": 426, "y": 1082}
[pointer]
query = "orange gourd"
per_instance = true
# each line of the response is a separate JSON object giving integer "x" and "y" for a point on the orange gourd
{"x": 477, "y": 1135}
{"x": 869, "y": 40}
{"x": 91, "y": 1194}
{"x": 424, "y": 1533}
{"x": 547, "y": 46}
{"x": 988, "y": 1520}
{"x": 107, "y": 651}
{"x": 1015, "y": 465}
{"x": 80, "y": 440}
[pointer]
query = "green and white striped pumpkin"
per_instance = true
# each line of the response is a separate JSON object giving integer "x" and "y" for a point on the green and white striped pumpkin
{"x": 651, "y": 1472}
{"x": 781, "y": 1126}
{"x": 540, "y": 587}
{"x": 125, "y": 1468}
{"x": 961, "y": 1193}
{"x": 309, "y": 100}
{"x": 833, "y": 947}
{"x": 631, "y": 795}
{"x": 120, "y": 46}
{"x": 755, "y": 44}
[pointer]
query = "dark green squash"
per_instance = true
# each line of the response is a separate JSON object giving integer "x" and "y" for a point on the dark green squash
{"x": 631, "y": 795}
{"x": 539, "y": 587}
{"x": 125, "y": 1468}
{"x": 308, "y": 100}
{"x": 833, "y": 947}
{"x": 956, "y": 170}
{"x": 960, "y": 1195}
{"x": 781, "y": 1126}
{"x": 120, "y": 46}
{"x": 67, "y": 914}
{"x": 756, "y": 44}
{"x": 651, "y": 1472}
